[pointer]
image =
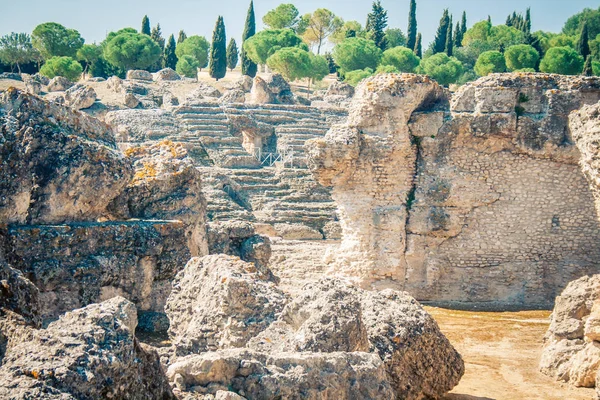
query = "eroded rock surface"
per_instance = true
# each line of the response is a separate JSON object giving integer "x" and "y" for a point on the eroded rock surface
{"x": 219, "y": 302}
{"x": 89, "y": 353}
{"x": 58, "y": 165}
{"x": 239, "y": 238}
{"x": 481, "y": 201}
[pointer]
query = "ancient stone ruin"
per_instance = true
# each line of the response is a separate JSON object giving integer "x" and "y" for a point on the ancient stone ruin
{"x": 479, "y": 201}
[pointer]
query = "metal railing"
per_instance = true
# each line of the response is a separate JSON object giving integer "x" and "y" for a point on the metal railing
{"x": 284, "y": 156}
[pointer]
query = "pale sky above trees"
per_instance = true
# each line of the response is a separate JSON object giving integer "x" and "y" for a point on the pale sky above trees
{"x": 197, "y": 17}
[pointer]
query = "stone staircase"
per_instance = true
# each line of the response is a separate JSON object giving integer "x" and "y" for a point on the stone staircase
{"x": 207, "y": 126}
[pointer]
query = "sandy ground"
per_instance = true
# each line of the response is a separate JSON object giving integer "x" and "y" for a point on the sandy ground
{"x": 501, "y": 352}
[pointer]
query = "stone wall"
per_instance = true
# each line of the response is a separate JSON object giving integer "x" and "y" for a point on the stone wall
{"x": 479, "y": 202}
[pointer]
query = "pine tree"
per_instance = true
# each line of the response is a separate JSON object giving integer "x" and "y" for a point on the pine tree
{"x": 449, "y": 43}
{"x": 218, "y": 51}
{"x": 583, "y": 46}
{"x": 587, "y": 68}
{"x": 458, "y": 37}
{"x": 248, "y": 67}
{"x": 170, "y": 59}
{"x": 419, "y": 47}
{"x": 156, "y": 35}
{"x": 182, "y": 36}
{"x": 528, "y": 21}
{"x": 439, "y": 43}
{"x": 376, "y": 24}
{"x": 232, "y": 54}
{"x": 464, "y": 25}
{"x": 412, "y": 25}
{"x": 145, "y": 26}
{"x": 489, "y": 20}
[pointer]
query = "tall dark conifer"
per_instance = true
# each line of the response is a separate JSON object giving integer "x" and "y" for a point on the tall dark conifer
{"x": 145, "y": 26}
{"x": 419, "y": 47}
{"x": 170, "y": 59}
{"x": 489, "y": 20}
{"x": 458, "y": 36}
{"x": 156, "y": 35}
{"x": 412, "y": 25}
{"x": 528, "y": 21}
{"x": 232, "y": 54}
{"x": 464, "y": 24}
{"x": 182, "y": 36}
{"x": 449, "y": 42}
{"x": 439, "y": 43}
{"x": 376, "y": 24}
{"x": 587, "y": 67}
{"x": 218, "y": 51}
{"x": 248, "y": 67}
{"x": 583, "y": 45}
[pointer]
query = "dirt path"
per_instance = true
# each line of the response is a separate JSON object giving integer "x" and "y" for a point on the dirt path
{"x": 501, "y": 353}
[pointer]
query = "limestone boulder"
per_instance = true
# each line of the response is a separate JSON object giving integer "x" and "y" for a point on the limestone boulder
{"x": 58, "y": 164}
{"x": 206, "y": 90}
{"x": 233, "y": 96}
{"x": 139, "y": 75}
{"x": 338, "y": 88}
{"x": 166, "y": 185}
{"x": 277, "y": 84}
{"x": 238, "y": 238}
{"x": 80, "y": 97}
{"x": 130, "y": 101}
{"x": 571, "y": 352}
{"x": 584, "y": 125}
{"x": 330, "y": 316}
{"x": 115, "y": 84}
{"x": 11, "y": 76}
{"x": 297, "y": 232}
{"x": 244, "y": 83}
{"x": 33, "y": 87}
{"x": 41, "y": 79}
{"x": 59, "y": 84}
{"x": 256, "y": 375}
{"x": 76, "y": 356}
{"x": 166, "y": 74}
{"x": 260, "y": 93}
{"x": 220, "y": 302}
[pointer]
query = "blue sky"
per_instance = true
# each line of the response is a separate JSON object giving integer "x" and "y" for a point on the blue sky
{"x": 95, "y": 19}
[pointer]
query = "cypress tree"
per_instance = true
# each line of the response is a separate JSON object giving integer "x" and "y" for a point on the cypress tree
{"x": 528, "y": 21}
{"x": 232, "y": 54}
{"x": 156, "y": 35}
{"x": 182, "y": 36}
{"x": 587, "y": 67}
{"x": 449, "y": 43}
{"x": 248, "y": 67}
{"x": 439, "y": 43}
{"x": 170, "y": 59}
{"x": 489, "y": 19}
{"x": 412, "y": 25}
{"x": 464, "y": 25}
{"x": 418, "y": 47}
{"x": 458, "y": 36}
{"x": 145, "y": 26}
{"x": 218, "y": 51}
{"x": 583, "y": 46}
{"x": 376, "y": 24}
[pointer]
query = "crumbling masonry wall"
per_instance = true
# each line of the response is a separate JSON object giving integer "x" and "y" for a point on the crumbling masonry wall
{"x": 498, "y": 211}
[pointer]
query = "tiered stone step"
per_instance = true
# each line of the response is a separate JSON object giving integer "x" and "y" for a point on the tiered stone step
{"x": 286, "y": 196}
{"x": 291, "y": 138}
{"x": 209, "y": 124}
{"x": 221, "y": 206}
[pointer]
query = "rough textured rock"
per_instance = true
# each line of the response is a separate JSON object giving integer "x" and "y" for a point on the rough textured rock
{"x": 33, "y": 87}
{"x": 233, "y": 96}
{"x": 238, "y": 238}
{"x": 130, "y": 100}
{"x": 80, "y": 97}
{"x": 77, "y": 264}
{"x": 166, "y": 74}
{"x": 257, "y": 375}
{"x": 218, "y": 302}
{"x": 467, "y": 202}
{"x": 585, "y": 129}
{"x": 166, "y": 186}
{"x": 204, "y": 89}
{"x": 115, "y": 84}
{"x": 89, "y": 353}
{"x": 297, "y": 232}
{"x": 244, "y": 83}
{"x": 273, "y": 88}
{"x": 260, "y": 93}
{"x": 139, "y": 126}
{"x": 139, "y": 75}
{"x": 59, "y": 165}
{"x": 570, "y": 352}
{"x": 330, "y": 316}
{"x": 338, "y": 88}
{"x": 11, "y": 75}
{"x": 59, "y": 84}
